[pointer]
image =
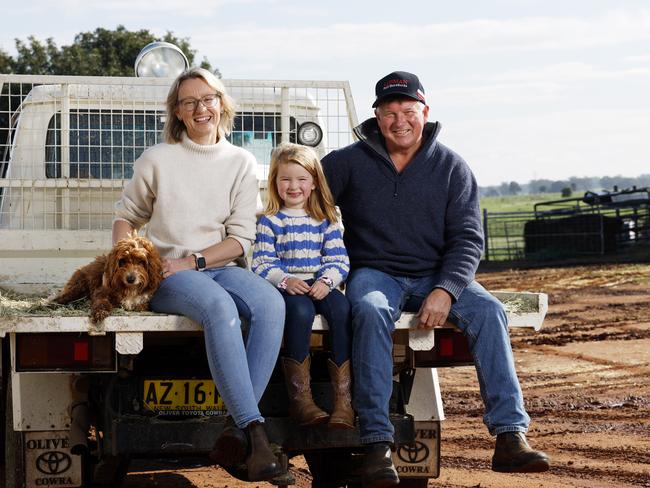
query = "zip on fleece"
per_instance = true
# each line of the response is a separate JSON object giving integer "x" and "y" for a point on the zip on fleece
{"x": 368, "y": 133}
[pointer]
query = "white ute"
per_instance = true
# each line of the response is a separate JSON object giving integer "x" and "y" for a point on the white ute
{"x": 80, "y": 400}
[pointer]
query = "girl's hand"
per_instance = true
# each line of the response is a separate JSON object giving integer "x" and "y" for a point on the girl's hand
{"x": 296, "y": 286}
{"x": 319, "y": 290}
{"x": 172, "y": 266}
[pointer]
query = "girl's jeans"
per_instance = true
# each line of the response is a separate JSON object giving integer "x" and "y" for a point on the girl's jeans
{"x": 301, "y": 310}
{"x": 377, "y": 300}
{"x": 216, "y": 298}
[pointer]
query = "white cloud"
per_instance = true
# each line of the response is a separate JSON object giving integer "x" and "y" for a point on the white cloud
{"x": 512, "y": 94}
{"x": 131, "y": 8}
{"x": 537, "y": 85}
{"x": 554, "y": 145}
{"x": 412, "y": 41}
{"x": 569, "y": 72}
{"x": 641, "y": 58}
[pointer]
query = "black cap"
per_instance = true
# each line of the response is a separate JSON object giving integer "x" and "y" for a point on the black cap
{"x": 399, "y": 83}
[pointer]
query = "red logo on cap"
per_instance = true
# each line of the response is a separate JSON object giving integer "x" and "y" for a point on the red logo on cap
{"x": 396, "y": 82}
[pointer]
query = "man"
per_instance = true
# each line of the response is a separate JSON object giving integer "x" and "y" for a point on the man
{"x": 410, "y": 208}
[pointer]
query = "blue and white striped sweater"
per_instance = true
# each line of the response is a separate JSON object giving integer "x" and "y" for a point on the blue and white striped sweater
{"x": 290, "y": 243}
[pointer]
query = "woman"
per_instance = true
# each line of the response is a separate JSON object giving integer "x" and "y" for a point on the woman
{"x": 197, "y": 193}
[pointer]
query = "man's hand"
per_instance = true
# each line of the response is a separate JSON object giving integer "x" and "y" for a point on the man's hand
{"x": 435, "y": 309}
{"x": 319, "y": 290}
{"x": 296, "y": 286}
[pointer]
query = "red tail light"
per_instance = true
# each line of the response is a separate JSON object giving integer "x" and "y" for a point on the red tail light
{"x": 446, "y": 347}
{"x": 81, "y": 351}
{"x": 65, "y": 352}
{"x": 450, "y": 349}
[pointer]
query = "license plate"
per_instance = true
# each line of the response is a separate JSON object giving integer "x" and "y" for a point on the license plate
{"x": 183, "y": 397}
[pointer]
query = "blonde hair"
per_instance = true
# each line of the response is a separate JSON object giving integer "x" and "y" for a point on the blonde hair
{"x": 174, "y": 128}
{"x": 320, "y": 204}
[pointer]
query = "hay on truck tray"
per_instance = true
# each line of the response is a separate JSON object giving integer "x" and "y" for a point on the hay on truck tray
{"x": 14, "y": 304}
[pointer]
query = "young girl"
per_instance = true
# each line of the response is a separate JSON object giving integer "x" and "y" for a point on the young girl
{"x": 299, "y": 248}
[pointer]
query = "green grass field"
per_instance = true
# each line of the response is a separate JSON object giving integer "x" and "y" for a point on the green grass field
{"x": 516, "y": 203}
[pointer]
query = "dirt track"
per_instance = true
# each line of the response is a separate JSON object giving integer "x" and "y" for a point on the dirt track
{"x": 586, "y": 384}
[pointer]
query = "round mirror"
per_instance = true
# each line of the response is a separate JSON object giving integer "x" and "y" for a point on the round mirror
{"x": 161, "y": 60}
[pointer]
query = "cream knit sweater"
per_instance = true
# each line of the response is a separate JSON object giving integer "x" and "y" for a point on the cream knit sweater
{"x": 192, "y": 196}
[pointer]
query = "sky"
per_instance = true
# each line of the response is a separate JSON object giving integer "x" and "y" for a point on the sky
{"x": 524, "y": 89}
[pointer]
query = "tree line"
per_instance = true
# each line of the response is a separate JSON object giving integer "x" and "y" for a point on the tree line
{"x": 102, "y": 52}
{"x": 568, "y": 187}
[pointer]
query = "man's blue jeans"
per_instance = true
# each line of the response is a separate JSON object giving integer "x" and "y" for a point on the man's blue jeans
{"x": 377, "y": 300}
{"x": 215, "y": 298}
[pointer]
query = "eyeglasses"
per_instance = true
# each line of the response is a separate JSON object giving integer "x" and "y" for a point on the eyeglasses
{"x": 191, "y": 104}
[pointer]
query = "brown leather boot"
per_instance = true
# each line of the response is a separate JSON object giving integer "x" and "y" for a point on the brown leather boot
{"x": 302, "y": 408}
{"x": 512, "y": 454}
{"x": 261, "y": 462}
{"x": 378, "y": 470}
{"x": 342, "y": 416}
{"x": 231, "y": 446}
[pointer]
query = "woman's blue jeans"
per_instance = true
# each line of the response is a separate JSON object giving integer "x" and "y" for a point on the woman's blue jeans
{"x": 216, "y": 298}
{"x": 377, "y": 300}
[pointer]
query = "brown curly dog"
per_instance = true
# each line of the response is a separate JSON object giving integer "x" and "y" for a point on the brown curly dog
{"x": 127, "y": 277}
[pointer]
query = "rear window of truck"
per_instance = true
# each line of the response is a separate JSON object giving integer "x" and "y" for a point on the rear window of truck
{"x": 104, "y": 144}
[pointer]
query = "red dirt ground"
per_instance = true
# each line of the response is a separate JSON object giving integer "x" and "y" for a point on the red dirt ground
{"x": 585, "y": 378}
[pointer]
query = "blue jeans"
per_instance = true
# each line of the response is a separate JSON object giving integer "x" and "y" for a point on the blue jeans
{"x": 216, "y": 298}
{"x": 377, "y": 300}
{"x": 301, "y": 310}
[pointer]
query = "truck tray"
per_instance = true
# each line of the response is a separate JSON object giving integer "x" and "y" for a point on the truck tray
{"x": 524, "y": 309}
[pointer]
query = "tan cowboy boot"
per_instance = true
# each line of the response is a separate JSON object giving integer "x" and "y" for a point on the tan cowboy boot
{"x": 342, "y": 416}
{"x": 302, "y": 408}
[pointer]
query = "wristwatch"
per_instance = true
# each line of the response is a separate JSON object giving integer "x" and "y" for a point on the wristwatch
{"x": 199, "y": 261}
{"x": 328, "y": 281}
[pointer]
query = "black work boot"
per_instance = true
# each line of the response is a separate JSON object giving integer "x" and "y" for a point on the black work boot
{"x": 378, "y": 470}
{"x": 512, "y": 454}
{"x": 262, "y": 463}
{"x": 231, "y": 446}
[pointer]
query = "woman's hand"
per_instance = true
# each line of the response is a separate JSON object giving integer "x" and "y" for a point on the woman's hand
{"x": 319, "y": 290}
{"x": 296, "y": 286}
{"x": 172, "y": 266}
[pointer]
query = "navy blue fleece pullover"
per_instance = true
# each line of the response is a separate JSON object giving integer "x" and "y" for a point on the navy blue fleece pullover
{"x": 423, "y": 221}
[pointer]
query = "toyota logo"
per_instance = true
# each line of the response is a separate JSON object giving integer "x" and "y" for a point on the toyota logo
{"x": 53, "y": 462}
{"x": 413, "y": 453}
